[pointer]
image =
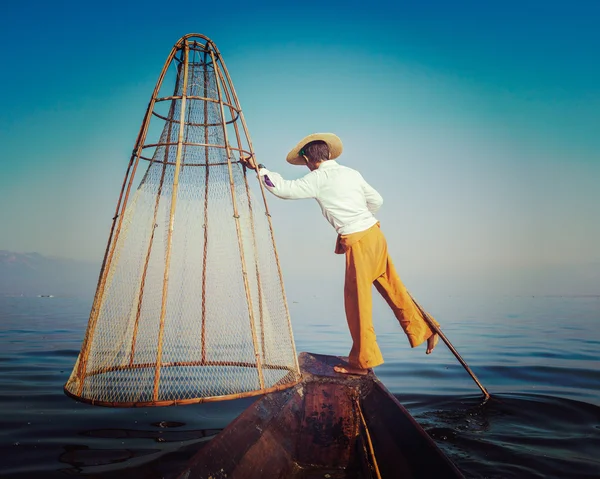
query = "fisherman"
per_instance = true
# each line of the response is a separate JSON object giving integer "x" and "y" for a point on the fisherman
{"x": 349, "y": 203}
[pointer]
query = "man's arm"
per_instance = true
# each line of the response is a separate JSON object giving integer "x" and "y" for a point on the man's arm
{"x": 288, "y": 190}
{"x": 374, "y": 199}
{"x": 301, "y": 188}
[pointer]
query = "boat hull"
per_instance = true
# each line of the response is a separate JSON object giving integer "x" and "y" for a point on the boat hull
{"x": 329, "y": 425}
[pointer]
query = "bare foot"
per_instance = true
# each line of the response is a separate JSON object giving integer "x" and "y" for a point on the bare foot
{"x": 432, "y": 342}
{"x": 350, "y": 370}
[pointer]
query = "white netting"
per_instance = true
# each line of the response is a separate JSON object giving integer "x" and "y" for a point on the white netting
{"x": 225, "y": 326}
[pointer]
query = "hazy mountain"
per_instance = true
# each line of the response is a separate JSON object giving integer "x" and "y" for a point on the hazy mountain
{"x": 32, "y": 274}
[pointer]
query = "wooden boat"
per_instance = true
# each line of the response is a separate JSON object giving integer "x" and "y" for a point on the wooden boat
{"x": 327, "y": 426}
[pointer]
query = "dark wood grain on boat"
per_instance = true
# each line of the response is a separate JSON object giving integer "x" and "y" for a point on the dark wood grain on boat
{"x": 328, "y": 426}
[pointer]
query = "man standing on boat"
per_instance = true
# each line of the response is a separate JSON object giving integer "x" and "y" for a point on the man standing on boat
{"x": 348, "y": 202}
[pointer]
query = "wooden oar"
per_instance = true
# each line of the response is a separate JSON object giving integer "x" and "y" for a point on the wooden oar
{"x": 433, "y": 326}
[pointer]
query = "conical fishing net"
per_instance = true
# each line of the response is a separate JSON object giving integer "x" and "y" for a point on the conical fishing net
{"x": 190, "y": 304}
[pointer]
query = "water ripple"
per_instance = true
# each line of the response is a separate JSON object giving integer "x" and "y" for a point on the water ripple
{"x": 516, "y": 346}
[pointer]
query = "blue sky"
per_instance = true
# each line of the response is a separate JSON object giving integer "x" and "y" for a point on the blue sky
{"x": 478, "y": 124}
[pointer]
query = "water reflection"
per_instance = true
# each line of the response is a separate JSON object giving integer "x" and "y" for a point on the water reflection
{"x": 157, "y": 436}
{"x": 81, "y": 457}
{"x": 132, "y": 457}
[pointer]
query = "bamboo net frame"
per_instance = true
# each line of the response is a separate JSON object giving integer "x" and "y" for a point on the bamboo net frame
{"x": 190, "y": 304}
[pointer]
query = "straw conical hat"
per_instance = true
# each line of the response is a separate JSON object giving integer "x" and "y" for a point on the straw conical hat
{"x": 333, "y": 141}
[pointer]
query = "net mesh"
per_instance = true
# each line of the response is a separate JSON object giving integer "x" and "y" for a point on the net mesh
{"x": 195, "y": 312}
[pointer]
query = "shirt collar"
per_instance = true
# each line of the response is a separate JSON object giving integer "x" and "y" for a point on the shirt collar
{"x": 327, "y": 164}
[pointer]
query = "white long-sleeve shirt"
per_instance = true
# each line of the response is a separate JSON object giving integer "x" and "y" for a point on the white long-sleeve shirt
{"x": 346, "y": 199}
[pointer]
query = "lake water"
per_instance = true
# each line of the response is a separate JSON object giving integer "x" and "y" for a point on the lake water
{"x": 538, "y": 357}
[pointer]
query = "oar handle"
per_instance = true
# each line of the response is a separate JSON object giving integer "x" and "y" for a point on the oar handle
{"x": 435, "y": 328}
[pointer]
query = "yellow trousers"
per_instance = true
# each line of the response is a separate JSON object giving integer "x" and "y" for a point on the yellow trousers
{"x": 367, "y": 263}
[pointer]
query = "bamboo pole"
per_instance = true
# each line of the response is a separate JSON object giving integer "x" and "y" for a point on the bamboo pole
{"x": 196, "y": 97}
{"x": 237, "y": 227}
{"x": 169, "y": 120}
{"x": 151, "y": 242}
{"x": 438, "y": 331}
{"x": 189, "y": 143}
{"x": 267, "y": 212}
{"x": 222, "y": 163}
{"x": 205, "y": 251}
{"x": 252, "y": 228}
{"x": 112, "y": 241}
{"x": 182, "y": 402}
{"x": 369, "y": 442}
{"x": 165, "y": 291}
{"x": 145, "y": 271}
{"x": 171, "y": 364}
